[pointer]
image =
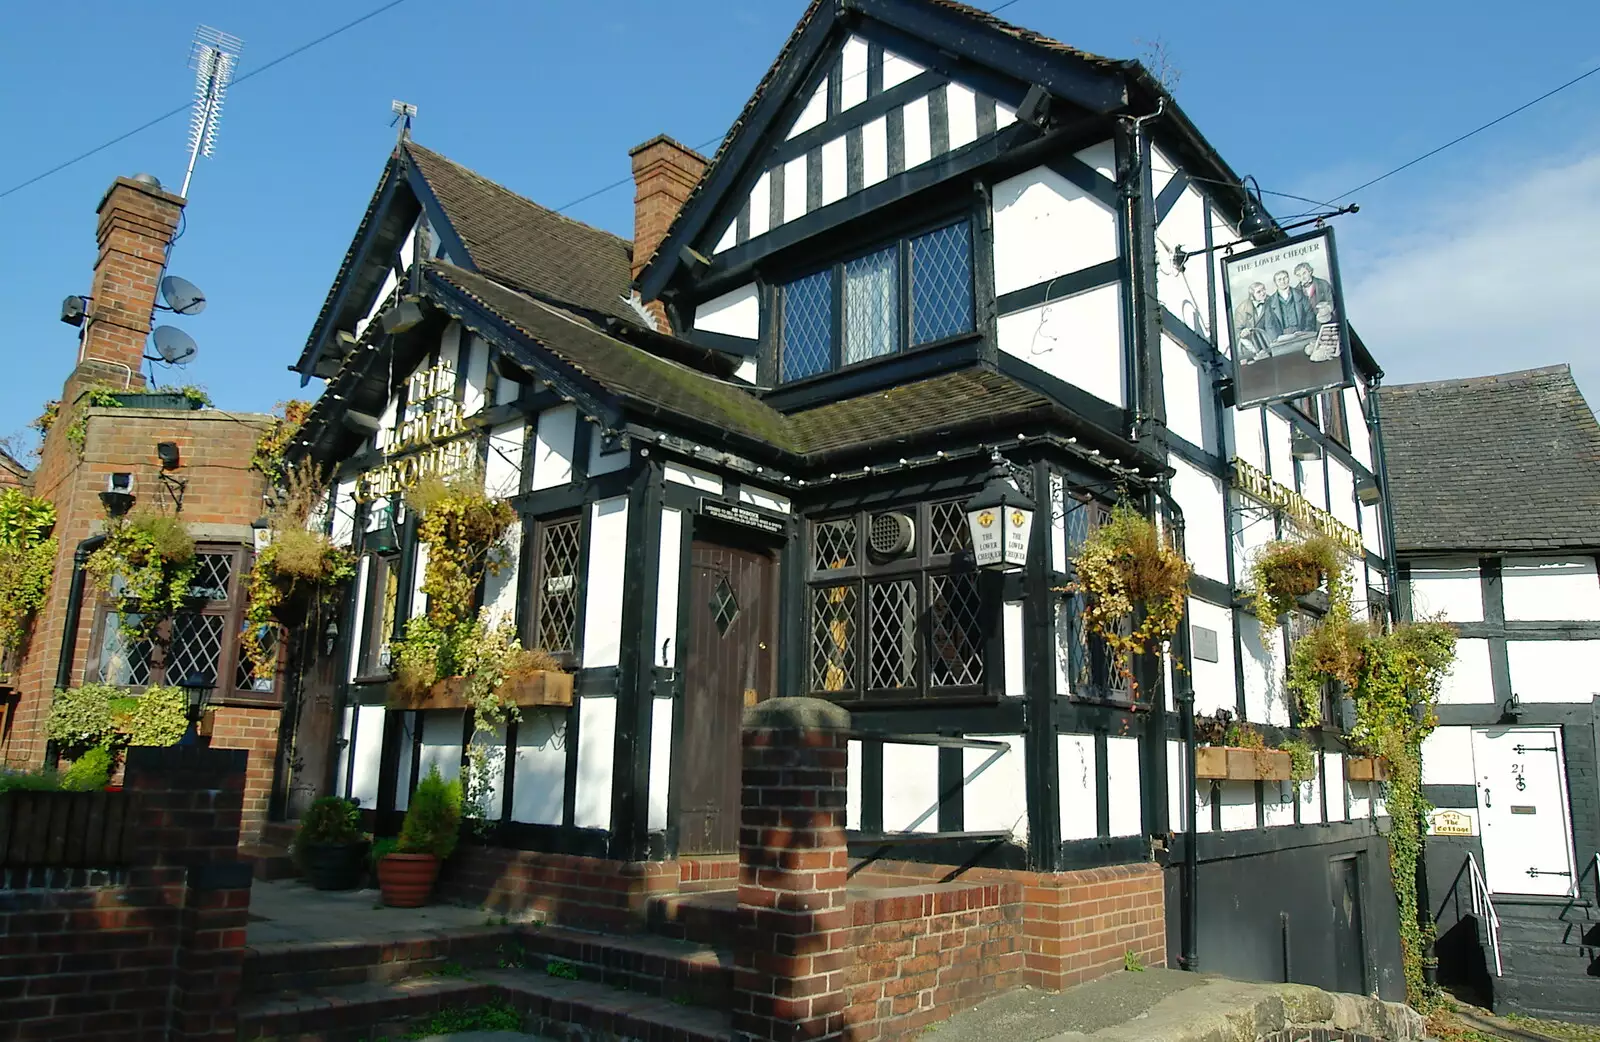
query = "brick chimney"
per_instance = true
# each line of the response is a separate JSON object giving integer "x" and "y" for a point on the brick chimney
{"x": 664, "y": 173}
{"x": 137, "y": 221}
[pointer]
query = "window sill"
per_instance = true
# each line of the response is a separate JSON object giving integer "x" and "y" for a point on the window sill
{"x": 813, "y": 380}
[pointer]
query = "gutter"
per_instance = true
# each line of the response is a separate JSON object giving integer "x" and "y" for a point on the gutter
{"x": 69, "y": 632}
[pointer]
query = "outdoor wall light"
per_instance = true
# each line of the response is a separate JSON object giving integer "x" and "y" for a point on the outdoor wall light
{"x": 1367, "y": 490}
{"x": 401, "y": 317}
{"x": 330, "y": 637}
{"x": 196, "y": 687}
{"x": 1303, "y": 446}
{"x": 167, "y": 453}
{"x": 118, "y": 497}
{"x": 1000, "y": 520}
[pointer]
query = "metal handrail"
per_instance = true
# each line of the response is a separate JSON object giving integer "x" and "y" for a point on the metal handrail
{"x": 1597, "y": 875}
{"x": 1481, "y": 902}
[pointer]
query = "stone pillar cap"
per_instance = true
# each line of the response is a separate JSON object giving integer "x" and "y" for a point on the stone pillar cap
{"x": 798, "y": 714}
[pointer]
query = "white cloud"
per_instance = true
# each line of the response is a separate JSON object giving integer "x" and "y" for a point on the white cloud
{"x": 1487, "y": 280}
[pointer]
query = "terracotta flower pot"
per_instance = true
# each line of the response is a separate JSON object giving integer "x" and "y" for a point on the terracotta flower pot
{"x": 407, "y": 879}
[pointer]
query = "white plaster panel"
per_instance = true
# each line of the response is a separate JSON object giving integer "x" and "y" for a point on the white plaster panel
{"x": 761, "y": 205}
{"x": 1204, "y": 535}
{"x": 1203, "y": 795}
{"x": 1161, "y": 170}
{"x": 666, "y": 644}
{"x": 1469, "y": 680}
{"x": 1063, "y": 639}
{"x": 1079, "y": 786}
{"x": 1361, "y": 800}
{"x": 1122, "y": 786}
{"x": 605, "y": 462}
{"x": 834, "y": 180}
{"x": 815, "y": 111}
{"x": 506, "y": 391}
{"x": 1102, "y": 158}
{"x": 1247, "y": 444}
{"x": 962, "y": 105}
{"x": 1238, "y": 805}
{"x": 1189, "y": 413}
{"x": 1278, "y": 449}
{"x": 1372, "y": 528}
{"x": 552, "y": 447}
{"x": 597, "y": 729}
{"x": 1214, "y": 682}
{"x": 763, "y": 499}
{"x": 408, "y": 729}
{"x": 502, "y": 471}
{"x": 1265, "y": 699}
{"x": 1004, "y": 116}
{"x": 1176, "y": 772}
{"x": 660, "y": 763}
{"x": 1447, "y": 757}
{"x": 602, "y": 609}
{"x": 1342, "y": 493}
{"x": 1252, "y": 530}
{"x": 493, "y": 743}
{"x": 1448, "y": 587}
{"x": 852, "y": 776}
{"x": 794, "y": 188}
{"x": 1058, "y": 523}
{"x": 382, "y": 297}
{"x": 442, "y": 731}
{"x": 1044, "y": 227}
{"x": 1540, "y": 589}
{"x": 1309, "y": 793}
{"x": 995, "y": 786}
{"x": 368, "y": 756}
{"x": 419, "y": 575}
{"x": 344, "y": 513}
{"x": 449, "y": 348}
{"x": 1313, "y": 482}
{"x": 735, "y": 313}
{"x": 347, "y": 723}
{"x": 853, "y": 73}
{"x": 1185, "y": 293}
{"x": 1277, "y": 803}
{"x": 918, "y": 140}
{"x": 910, "y": 788}
{"x": 472, "y": 398}
{"x": 539, "y": 796}
{"x": 1333, "y": 775}
{"x": 1077, "y": 339}
{"x": 729, "y": 238}
{"x": 1221, "y": 232}
{"x": 353, "y": 638}
{"x": 747, "y": 371}
{"x": 896, "y": 70}
{"x": 1012, "y": 627}
{"x": 874, "y": 151}
{"x": 1356, "y": 422}
{"x": 499, "y": 586}
{"x": 699, "y": 480}
{"x": 1554, "y": 670}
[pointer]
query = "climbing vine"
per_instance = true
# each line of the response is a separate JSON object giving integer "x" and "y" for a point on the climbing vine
{"x": 465, "y": 530}
{"x": 102, "y": 396}
{"x": 268, "y": 456}
{"x": 1127, "y": 564}
{"x": 27, "y": 561}
{"x": 1331, "y": 649}
{"x": 148, "y": 563}
{"x": 102, "y": 714}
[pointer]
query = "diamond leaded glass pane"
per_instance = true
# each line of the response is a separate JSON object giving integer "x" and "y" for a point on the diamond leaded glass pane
{"x": 872, "y": 306}
{"x": 196, "y": 647}
{"x": 947, "y": 527}
{"x": 833, "y": 638}
{"x": 244, "y": 676}
{"x": 212, "y": 574}
{"x": 558, "y": 597}
{"x": 724, "y": 606}
{"x": 123, "y": 662}
{"x": 956, "y": 654}
{"x": 892, "y": 634}
{"x": 808, "y": 325}
{"x": 941, "y": 284}
{"x": 834, "y": 543}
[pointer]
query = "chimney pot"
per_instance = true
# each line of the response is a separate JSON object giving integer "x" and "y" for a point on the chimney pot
{"x": 665, "y": 173}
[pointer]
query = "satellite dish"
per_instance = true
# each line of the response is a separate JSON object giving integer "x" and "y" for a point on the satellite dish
{"x": 182, "y": 296}
{"x": 174, "y": 345}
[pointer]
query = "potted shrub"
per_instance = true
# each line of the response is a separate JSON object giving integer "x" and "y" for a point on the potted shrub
{"x": 428, "y": 836}
{"x": 330, "y": 847}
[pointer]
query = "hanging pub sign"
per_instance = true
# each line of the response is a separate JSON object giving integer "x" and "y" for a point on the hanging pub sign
{"x": 1286, "y": 317}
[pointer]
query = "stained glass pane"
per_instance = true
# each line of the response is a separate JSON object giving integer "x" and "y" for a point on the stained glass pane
{"x": 892, "y": 629}
{"x": 808, "y": 325}
{"x": 872, "y": 306}
{"x": 833, "y": 638}
{"x": 941, "y": 284}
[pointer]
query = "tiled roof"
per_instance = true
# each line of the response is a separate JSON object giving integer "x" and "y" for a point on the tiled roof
{"x": 1508, "y": 462}
{"x": 939, "y": 403}
{"x": 519, "y": 243}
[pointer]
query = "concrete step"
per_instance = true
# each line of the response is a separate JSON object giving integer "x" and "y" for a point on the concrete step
{"x": 675, "y": 969}
{"x": 1549, "y": 959}
{"x": 269, "y": 862}
{"x": 1575, "y": 999}
{"x": 708, "y": 918}
{"x": 296, "y": 966}
{"x": 550, "y": 1006}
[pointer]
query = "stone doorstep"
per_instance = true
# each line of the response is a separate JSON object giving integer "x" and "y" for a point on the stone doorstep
{"x": 297, "y": 965}
{"x": 269, "y": 862}
{"x": 643, "y": 963}
{"x": 710, "y": 918}
{"x": 549, "y": 1005}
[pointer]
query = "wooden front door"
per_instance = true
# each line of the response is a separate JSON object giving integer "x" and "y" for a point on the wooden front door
{"x": 731, "y": 664}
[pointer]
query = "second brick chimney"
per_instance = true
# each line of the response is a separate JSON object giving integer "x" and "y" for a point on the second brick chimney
{"x": 138, "y": 219}
{"x": 664, "y": 174}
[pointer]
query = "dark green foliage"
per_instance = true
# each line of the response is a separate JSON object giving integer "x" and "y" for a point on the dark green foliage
{"x": 433, "y": 819}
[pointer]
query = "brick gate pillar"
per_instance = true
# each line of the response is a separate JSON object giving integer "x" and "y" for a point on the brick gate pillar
{"x": 792, "y": 951}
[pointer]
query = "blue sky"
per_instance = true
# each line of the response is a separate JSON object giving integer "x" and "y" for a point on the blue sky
{"x": 1480, "y": 260}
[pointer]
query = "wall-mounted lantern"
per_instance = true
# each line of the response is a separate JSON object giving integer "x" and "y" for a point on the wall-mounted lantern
{"x": 1367, "y": 490}
{"x": 196, "y": 688}
{"x": 1000, "y": 520}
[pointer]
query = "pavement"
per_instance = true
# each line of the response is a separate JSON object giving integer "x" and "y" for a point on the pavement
{"x": 1030, "y": 1015}
{"x": 285, "y": 910}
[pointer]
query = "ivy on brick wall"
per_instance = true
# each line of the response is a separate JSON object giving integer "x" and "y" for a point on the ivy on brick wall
{"x": 27, "y": 561}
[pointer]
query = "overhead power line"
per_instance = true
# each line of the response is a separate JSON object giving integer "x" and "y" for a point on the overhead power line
{"x": 258, "y": 70}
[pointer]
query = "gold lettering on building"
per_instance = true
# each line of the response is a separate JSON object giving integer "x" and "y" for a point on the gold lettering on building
{"x": 430, "y": 442}
{"x": 1258, "y": 486}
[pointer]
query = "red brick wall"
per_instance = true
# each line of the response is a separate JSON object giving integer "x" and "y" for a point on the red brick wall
{"x": 136, "y": 225}
{"x": 664, "y": 174}
{"x": 563, "y": 888}
{"x": 160, "y": 952}
{"x": 255, "y": 730}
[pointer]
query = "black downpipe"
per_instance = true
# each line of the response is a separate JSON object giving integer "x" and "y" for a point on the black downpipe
{"x": 1189, "y": 873}
{"x": 69, "y": 633}
{"x": 1380, "y": 464}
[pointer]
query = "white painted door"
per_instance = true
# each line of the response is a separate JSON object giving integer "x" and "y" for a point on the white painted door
{"x": 1522, "y": 803}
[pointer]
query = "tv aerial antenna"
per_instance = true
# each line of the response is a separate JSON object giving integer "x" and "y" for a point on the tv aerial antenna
{"x": 213, "y": 56}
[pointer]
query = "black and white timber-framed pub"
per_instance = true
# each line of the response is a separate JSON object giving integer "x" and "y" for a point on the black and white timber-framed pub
{"x": 741, "y": 446}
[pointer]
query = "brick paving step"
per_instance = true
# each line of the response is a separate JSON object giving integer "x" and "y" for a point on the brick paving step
{"x": 708, "y": 918}
{"x": 653, "y": 965}
{"x": 268, "y": 861}
{"x": 550, "y": 1005}
{"x": 292, "y": 966}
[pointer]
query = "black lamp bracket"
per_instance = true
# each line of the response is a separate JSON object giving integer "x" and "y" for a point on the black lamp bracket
{"x": 1181, "y": 256}
{"x": 176, "y": 489}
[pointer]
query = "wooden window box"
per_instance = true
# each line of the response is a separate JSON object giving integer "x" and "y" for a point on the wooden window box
{"x": 1366, "y": 768}
{"x": 545, "y": 688}
{"x": 1225, "y": 763}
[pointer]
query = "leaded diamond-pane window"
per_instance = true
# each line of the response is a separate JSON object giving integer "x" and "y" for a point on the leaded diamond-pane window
{"x": 892, "y": 634}
{"x": 808, "y": 326}
{"x": 122, "y": 662}
{"x": 560, "y": 546}
{"x": 245, "y": 678}
{"x": 196, "y": 647}
{"x": 833, "y": 638}
{"x": 941, "y": 284}
{"x": 724, "y": 606}
{"x": 213, "y": 572}
{"x": 947, "y": 527}
{"x": 835, "y": 544}
{"x": 956, "y": 643}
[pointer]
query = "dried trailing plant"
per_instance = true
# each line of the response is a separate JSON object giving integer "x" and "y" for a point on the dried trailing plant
{"x": 148, "y": 563}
